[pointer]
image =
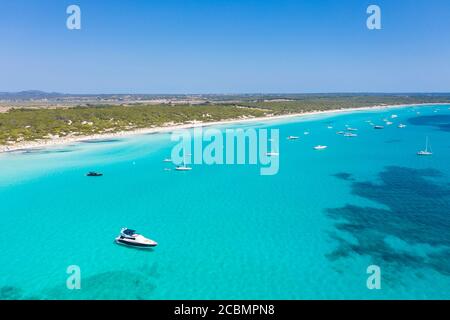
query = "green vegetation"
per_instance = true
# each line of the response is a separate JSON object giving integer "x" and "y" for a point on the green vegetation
{"x": 309, "y": 103}
{"x": 32, "y": 124}
{"x": 26, "y": 124}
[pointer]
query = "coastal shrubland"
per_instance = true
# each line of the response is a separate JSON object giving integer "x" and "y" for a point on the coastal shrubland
{"x": 23, "y": 124}
{"x": 30, "y": 124}
{"x": 310, "y": 103}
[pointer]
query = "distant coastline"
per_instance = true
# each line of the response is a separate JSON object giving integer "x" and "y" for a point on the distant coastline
{"x": 23, "y": 145}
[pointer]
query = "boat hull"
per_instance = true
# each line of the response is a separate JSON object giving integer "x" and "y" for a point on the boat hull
{"x": 135, "y": 244}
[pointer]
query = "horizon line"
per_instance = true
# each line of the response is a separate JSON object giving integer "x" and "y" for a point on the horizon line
{"x": 225, "y": 93}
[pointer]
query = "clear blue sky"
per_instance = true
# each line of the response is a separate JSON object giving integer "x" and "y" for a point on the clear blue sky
{"x": 226, "y": 46}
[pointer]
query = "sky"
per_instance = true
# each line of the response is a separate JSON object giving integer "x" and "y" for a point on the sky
{"x": 225, "y": 46}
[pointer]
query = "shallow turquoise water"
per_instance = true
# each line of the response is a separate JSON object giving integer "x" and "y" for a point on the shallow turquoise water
{"x": 226, "y": 232}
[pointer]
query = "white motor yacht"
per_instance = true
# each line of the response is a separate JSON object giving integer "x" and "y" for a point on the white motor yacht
{"x": 129, "y": 237}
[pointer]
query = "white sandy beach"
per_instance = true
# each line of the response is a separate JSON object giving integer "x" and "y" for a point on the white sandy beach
{"x": 169, "y": 128}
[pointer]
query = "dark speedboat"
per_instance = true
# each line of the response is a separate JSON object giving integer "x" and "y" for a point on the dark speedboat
{"x": 129, "y": 237}
{"x": 94, "y": 174}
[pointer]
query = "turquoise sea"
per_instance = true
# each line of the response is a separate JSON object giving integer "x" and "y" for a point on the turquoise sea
{"x": 225, "y": 231}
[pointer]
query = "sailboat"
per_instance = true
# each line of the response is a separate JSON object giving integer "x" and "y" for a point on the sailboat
{"x": 273, "y": 153}
{"x": 425, "y": 152}
{"x": 183, "y": 167}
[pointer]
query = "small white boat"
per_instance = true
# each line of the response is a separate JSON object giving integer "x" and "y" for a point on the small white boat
{"x": 401, "y": 125}
{"x": 167, "y": 160}
{"x": 183, "y": 167}
{"x": 352, "y": 129}
{"x": 388, "y": 123}
{"x": 129, "y": 237}
{"x": 320, "y": 147}
{"x": 425, "y": 152}
{"x": 272, "y": 154}
{"x": 306, "y": 133}
{"x": 350, "y": 134}
{"x": 340, "y": 132}
{"x": 292, "y": 138}
{"x": 378, "y": 127}
{"x": 394, "y": 116}
{"x": 330, "y": 127}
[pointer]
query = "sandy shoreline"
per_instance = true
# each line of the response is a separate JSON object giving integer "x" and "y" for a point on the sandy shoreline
{"x": 69, "y": 140}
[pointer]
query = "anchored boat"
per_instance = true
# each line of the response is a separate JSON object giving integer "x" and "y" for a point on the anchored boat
{"x": 94, "y": 174}
{"x": 130, "y": 238}
{"x": 425, "y": 152}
